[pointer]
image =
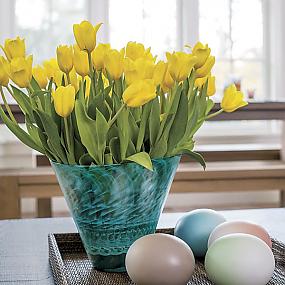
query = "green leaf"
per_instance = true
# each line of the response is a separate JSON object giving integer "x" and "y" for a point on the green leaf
{"x": 194, "y": 155}
{"x": 144, "y": 118}
{"x": 179, "y": 124}
{"x": 141, "y": 158}
{"x": 86, "y": 127}
{"x": 93, "y": 133}
{"x": 35, "y": 85}
{"x": 23, "y": 101}
{"x": 134, "y": 129}
{"x": 154, "y": 120}
{"x": 210, "y": 105}
{"x": 123, "y": 131}
{"x": 86, "y": 159}
{"x": 33, "y": 130}
{"x": 52, "y": 134}
{"x": 20, "y": 133}
{"x": 101, "y": 135}
{"x": 114, "y": 146}
{"x": 160, "y": 148}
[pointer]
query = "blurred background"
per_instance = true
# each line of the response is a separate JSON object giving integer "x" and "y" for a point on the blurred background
{"x": 246, "y": 36}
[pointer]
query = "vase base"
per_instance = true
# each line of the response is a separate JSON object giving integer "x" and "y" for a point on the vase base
{"x": 109, "y": 263}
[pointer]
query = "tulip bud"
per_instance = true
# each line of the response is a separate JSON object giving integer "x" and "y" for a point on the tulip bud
{"x": 80, "y": 61}
{"x": 74, "y": 80}
{"x": 135, "y": 51}
{"x": 64, "y": 58}
{"x": 85, "y": 35}
{"x": 206, "y": 68}
{"x": 202, "y": 52}
{"x": 199, "y": 82}
{"x": 64, "y": 99}
{"x": 139, "y": 93}
{"x": 168, "y": 82}
{"x": 232, "y": 99}
{"x": 99, "y": 54}
{"x": 20, "y": 71}
{"x": 51, "y": 68}
{"x": 14, "y": 48}
{"x": 4, "y": 78}
{"x": 139, "y": 69}
{"x": 114, "y": 63}
{"x": 159, "y": 72}
{"x": 180, "y": 65}
{"x": 40, "y": 76}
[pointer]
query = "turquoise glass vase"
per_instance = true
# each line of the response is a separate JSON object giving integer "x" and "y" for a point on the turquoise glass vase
{"x": 114, "y": 205}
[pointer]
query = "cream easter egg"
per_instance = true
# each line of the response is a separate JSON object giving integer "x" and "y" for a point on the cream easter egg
{"x": 239, "y": 227}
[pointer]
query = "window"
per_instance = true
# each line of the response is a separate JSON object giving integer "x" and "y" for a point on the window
{"x": 234, "y": 31}
{"x": 238, "y": 31}
{"x": 47, "y": 23}
{"x": 150, "y": 22}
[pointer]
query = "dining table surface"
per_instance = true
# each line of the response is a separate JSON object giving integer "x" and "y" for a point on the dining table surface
{"x": 24, "y": 243}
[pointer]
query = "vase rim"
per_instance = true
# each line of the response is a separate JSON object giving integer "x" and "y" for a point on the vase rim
{"x": 114, "y": 164}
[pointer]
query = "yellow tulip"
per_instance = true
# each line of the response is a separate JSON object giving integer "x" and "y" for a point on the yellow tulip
{"x": 202, "y": 52}
{"x": 180, "y": 65}
{"x": 64, "y": 58}
{"x": 168, "y": 82}
{"x": 14, "y": 48}
{"x": 138, "y": 69}
{"x": 159, "y": 72}
{"x": 80, "y": 61}
{"x": 40, "y": 76}
{"x": 206, "y": 68}
{"x": 64, "y": 99}
{"x": 58, "y": 77}
{"x": 20, "y": 70}
{"x": 85, "y": 35}
{"x": 51, "y": 67}
{"x": 232, "y": 99}
{"x": 139, "y": 93}
{"x": 199, "y": 82}
{"x": 99, "y": 54}
{"x": 73, "y": 80}
{"x": 114, "y": 63}
{"x": 4, "y": 78}
{"x": 135, "y": 51}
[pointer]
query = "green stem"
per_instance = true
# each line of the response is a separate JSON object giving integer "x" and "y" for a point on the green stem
{"x": 7, "y": 106}
{"x": 68, "y": 78}
{"x": 214, "y": 114}
{"x": 118, "y": 88}
{"x": 91, "y": 75}
{"x": 116, "y": 115}
{"x": 67, "y": 135}
{"x": 30, "y": 92}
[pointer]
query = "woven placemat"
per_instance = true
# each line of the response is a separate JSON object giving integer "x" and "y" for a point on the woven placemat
{"x": 70, "y": 264}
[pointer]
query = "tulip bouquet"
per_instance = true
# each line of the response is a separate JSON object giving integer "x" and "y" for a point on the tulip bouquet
{"x": 96, "y": 105}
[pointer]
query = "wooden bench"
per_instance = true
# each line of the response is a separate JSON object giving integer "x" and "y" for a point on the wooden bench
{"x": 229, "y": 176}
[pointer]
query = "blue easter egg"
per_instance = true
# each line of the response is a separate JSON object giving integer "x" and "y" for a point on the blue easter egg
{"x": 195, "y": 228}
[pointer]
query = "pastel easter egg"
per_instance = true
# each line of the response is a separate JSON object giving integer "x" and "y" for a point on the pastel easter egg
{"x": 160, "y": 259}
{"x": 195, "y": 228}
{"x": 239, "y": 227}
{"x": 237, "y": 259}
